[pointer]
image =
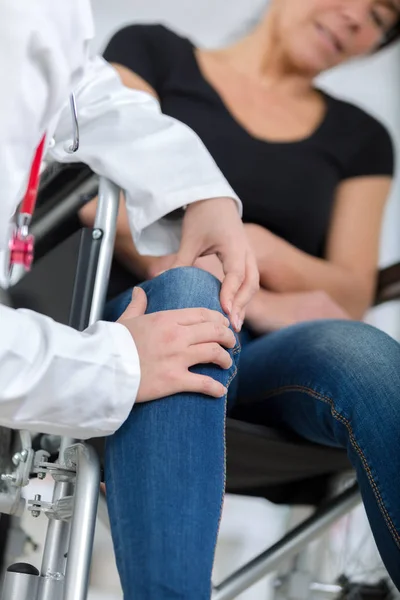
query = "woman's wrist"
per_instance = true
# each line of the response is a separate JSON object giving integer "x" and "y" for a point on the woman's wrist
{"x": 263, "y": 244}
{"x": 128, "y": 256}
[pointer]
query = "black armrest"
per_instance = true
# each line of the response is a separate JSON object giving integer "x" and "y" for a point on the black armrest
{"x": 5, "y": 297}
{"x": 388, "y": 285}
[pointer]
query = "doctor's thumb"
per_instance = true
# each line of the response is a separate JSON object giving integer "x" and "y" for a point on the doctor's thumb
{"x": 137, "y": 306}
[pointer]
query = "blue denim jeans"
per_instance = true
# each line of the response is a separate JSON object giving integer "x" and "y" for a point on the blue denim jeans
{"x": 165, "y": 468}
{"x": 332, "y": 382}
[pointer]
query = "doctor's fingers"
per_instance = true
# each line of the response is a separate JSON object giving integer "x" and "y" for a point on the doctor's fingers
{"x": 248, "y": 288}
{"x": 211, "y": 353}
{"x": 204, "y": 333}
{"x": 201, "y": 384}
{"x": 240, "y": 284}
{"x": 194, "y": 316}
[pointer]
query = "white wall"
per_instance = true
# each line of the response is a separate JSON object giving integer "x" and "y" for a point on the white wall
{"x": 205, "y": 21}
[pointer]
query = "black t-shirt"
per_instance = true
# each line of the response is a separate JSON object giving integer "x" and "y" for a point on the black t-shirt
{"x": 289, "y": 188}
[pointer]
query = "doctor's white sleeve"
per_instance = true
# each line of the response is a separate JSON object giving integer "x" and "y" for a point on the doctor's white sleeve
{"x": 43, "y": 50}
{"x": 54, "y": 379}
{"x": 160, "y": 163}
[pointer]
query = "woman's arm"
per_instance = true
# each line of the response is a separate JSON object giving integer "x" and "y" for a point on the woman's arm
{"x": 297, "y": 286}
{"x": 348, "y": 273}
{"x": 269, "y": 311}
{"x": 343, "y": 283}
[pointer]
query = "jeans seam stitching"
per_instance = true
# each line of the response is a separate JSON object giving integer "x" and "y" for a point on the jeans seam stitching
{"x": 354, "y": 443}
{"x": 237, "y": 349}
{"x": 224, "y": 475}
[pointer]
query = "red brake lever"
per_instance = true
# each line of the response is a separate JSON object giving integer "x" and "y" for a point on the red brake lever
{"x": 22, "y": 242}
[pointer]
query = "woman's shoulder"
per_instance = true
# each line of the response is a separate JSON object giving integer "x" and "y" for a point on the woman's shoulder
{"x": 152, "y": 51}
{"x": 153, "y": 36}
{"x": 354, "y": 119}
{"x": 368, "y": 139}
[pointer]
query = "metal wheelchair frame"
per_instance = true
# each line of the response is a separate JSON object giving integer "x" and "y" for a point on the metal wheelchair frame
{"x": 64, "y": 573}
{"x": 72, "y": 513}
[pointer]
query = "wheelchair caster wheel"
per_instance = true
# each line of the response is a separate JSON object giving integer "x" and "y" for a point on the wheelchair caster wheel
{"x": 24, "y": 568}
{"x": 359, "y": 591}
{"x": 21, "y": 582}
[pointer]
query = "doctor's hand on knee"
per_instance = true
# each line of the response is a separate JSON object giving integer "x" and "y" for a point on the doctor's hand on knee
{"x": 214, "y": 227}
{"x": 170, "y": 342}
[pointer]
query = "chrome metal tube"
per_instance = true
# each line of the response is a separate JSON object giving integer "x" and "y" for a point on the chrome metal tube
{"x": 288, "y": 547}
{"x": 20, "y": 583}
{"x": 75, "y": 125}
{"x": 88, "y": 468}
{"x": 83, "y": 523}
{"x": 52, "y": 579}
{"x": 104, "y": 226}
{"x": 79, "y": 534}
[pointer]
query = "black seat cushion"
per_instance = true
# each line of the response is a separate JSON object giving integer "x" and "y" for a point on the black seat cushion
{"x": 5, "y": 452}
{"x": 279, "y": 466}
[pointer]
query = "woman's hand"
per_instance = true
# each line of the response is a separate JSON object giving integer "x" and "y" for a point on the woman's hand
{"x": 269, "y": 311}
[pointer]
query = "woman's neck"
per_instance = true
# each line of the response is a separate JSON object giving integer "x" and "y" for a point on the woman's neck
{"x": 261, "y": 57}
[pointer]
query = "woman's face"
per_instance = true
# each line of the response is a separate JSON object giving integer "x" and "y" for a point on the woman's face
{"x": 320, "y": 34}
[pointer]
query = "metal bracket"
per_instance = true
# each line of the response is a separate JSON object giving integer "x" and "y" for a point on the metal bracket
{"x": 23, "y": 461}
{"x": 61, "y": 510}
{"x": 28, "y": 462}
{"x": 11, "y": 502}
{"x": 70, "y": 457}
{"x": 58, "y": 471}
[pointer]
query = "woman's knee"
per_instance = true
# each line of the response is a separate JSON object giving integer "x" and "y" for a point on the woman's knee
{"x": 347, "y": 343}
{"x": 183, "y": 287}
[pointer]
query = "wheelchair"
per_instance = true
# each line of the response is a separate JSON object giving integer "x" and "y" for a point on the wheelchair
{"x": 72, "y": 272}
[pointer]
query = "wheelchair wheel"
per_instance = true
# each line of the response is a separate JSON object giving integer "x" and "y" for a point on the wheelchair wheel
{"x": 347, "y": 557}
{"x": 359, "y": 591}
{"x": 342, "y": 564}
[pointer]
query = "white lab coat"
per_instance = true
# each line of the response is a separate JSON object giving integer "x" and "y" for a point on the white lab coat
{"x": 52, "y": 378}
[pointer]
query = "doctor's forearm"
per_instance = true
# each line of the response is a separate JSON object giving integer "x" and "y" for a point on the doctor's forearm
{"x": 61, "y": 381}
{"x": 161, "y": 163}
